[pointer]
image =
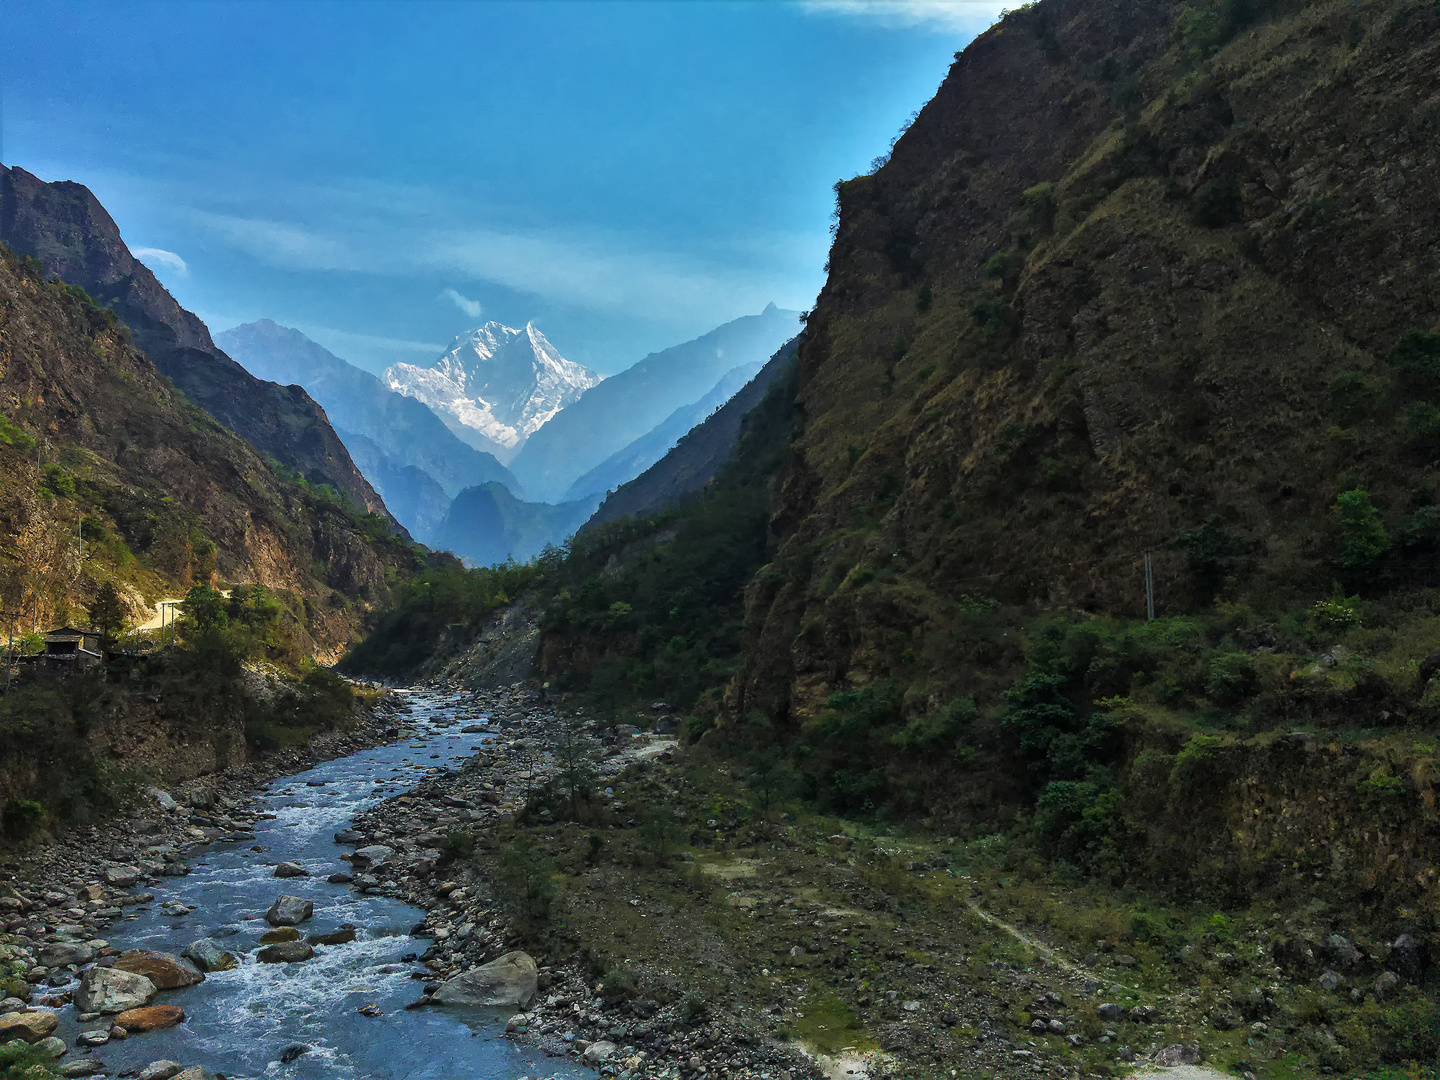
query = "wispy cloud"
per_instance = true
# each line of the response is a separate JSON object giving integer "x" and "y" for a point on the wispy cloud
{"x": 168, "y": 259}
{"x": 944, "y": 14}
{"x": 464, "y": 303}
{"x": 599, "y": 270}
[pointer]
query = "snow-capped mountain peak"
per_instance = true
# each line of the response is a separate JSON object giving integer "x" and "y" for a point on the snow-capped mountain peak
{"x": 496, "y": 385}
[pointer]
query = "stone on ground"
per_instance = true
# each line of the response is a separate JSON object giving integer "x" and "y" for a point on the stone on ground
{"x": 207, "y": 956}
{"x": 63, "y": 953}
{"x": 285, "y": 952}
{"x": 83, "y": 1067}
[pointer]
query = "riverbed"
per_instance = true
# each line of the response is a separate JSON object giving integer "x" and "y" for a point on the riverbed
{"x": 245, "y": 1022}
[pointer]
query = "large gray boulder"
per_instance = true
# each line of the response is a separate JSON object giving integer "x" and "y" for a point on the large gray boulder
{"x": 110, "y": 990}
{"x": 374, "y": 855}
{"x": 289, "y": 911}
{"x": 285, "y": 952}
{"x": 207, "y": 956}
{"x": 121, "y": 876}
{"x": 507, "y": 980}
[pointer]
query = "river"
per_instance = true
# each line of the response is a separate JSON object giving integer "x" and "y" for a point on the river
{"x": 241, "y": 1022}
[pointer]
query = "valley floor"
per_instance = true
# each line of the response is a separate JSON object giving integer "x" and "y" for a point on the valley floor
{"x": 680, "y": 929}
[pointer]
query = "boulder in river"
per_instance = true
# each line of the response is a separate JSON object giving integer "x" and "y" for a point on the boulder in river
{"x": 339, "y": 879}
{"x": 151, "y": 1018}
{"x": 83, "y": 1067}
{"x": 163, "y": 1069}
{"x": 282, "y": 933}
{"x": 61, "y": 953}
{"x": 507, "y": 980}
{"x": 109, "y": 990}
{"x": 291, "y": 869}
{"x": 207, "y": 956}
{"x": 163, "y": 969}
{"x": 285, "y": 952}
{"x": 31, "y": 1026}
{"x": 335, "y": 937}
{"x": 289, "y": 911}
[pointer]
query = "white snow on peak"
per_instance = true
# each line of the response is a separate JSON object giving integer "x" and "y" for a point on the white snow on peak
{"x": 500, "y": 383}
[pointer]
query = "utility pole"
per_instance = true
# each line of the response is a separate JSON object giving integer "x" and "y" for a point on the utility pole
{"x": 1149, "y": 589}
{"x": 10, "y": 648}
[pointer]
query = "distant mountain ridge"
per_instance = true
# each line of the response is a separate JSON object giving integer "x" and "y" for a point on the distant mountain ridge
{"x": 699, "y": 454}
{"x": 64, "y": 226}
{"x": 496, "y": 386}
{"x": 413, "y": 459}
{"x": 645, "y": 451}
{"x": 487, "y": 525}
{"x": 627, "y": 406}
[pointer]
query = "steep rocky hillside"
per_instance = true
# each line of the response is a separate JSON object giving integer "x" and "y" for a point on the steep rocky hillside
{"x": 1136, "y": 266}
{"x": 106, "y": 474}
{"x": 64, "y": 226}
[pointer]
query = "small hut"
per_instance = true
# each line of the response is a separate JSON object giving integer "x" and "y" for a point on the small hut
{"x": 71, "y": 645}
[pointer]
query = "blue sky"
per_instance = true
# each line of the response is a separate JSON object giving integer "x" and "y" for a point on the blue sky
{"x": 385, "y": 175}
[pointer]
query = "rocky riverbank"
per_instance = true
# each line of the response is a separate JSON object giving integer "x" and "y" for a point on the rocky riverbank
{"x": 57, "y": 900}
{"x": 407, "y": 847}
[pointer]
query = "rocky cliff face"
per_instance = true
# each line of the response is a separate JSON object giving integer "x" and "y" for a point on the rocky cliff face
{"x": 1136, "y": 264}
{"x": 64, "y": 226}
{"x": 496, "y": 386}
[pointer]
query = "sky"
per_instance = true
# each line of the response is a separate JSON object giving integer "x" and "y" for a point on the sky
{"x": 386, "y": 175}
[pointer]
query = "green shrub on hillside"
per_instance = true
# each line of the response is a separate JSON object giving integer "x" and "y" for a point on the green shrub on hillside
{"x": 1334, "y": 615}
{"x": 1366, "y": 540}
{"x": 13, "y": 436}
{"x": 1416, "y": 358}
{"x": 1352, "y": 398}
{"x": 1233, "y": 678}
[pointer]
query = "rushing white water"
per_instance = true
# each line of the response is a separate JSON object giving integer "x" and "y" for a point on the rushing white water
{"x": 240, "y": 1023}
